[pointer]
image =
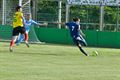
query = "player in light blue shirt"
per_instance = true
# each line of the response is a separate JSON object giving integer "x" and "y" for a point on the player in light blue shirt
{"x": 28, "y": 22}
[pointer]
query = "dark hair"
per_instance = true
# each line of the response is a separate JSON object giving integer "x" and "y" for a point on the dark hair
{"x": 75, "y": 19}
{"x": 18, "y": 7}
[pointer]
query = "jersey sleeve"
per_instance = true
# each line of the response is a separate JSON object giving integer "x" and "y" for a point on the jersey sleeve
{"x": 33, "y": 22}
{"x": 20, "y": 15}
{"x": 67, "y": 24}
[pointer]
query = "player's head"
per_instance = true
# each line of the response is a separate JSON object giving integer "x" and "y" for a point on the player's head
{"x": 19, "y": 8}
{"x": 28, "y": 16}
{"x": 77, "y": 20}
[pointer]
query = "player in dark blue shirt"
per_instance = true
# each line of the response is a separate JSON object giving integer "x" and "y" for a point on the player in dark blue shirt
{"x": 76, "y": 34}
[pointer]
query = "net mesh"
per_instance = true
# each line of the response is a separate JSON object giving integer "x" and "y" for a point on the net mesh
{"x": 9, "y": 9}
{"x": 27, "y": 9}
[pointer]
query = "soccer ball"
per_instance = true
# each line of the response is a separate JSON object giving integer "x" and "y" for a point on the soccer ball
{"x": 96, "y": 53}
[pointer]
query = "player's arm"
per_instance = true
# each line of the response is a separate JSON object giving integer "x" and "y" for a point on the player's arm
{"x": 82, "y": 33}
{"x": 55, "y": 22}
{"x": 63, "y": 23}
{"x": 22, "y": 17}
{"x": 44, "y": 24}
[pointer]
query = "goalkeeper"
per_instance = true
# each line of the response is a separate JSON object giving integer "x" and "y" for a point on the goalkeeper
{"x": 28, "y": 23}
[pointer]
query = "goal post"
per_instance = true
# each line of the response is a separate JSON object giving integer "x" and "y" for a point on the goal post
{"x": 26, "y": 6}
{"x": 7, "y": 11}
{"x": 20, "y": 2}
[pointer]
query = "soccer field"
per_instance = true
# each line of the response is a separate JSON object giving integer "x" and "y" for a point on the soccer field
{"x": 58, "y": 62}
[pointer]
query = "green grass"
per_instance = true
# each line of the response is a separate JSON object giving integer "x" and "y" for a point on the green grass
{"x": 58, "y": 62}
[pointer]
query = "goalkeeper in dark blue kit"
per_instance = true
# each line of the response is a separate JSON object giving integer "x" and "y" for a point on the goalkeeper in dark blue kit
{"x": 76, "y": 34}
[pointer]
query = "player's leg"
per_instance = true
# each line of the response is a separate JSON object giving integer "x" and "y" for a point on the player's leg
{"x": 23, "y": 32}
{"x": 26, "y": 36}
{"x": 15, "y": 34}
{"x": 82, "y": 50}
{"x": 82, "y": 40}
{"x": 22, "y": 37}
{"x": 19, "y": 39}
{"x": 77, "y": 42}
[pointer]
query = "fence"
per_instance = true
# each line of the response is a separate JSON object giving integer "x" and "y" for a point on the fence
{"x": 61, "y": 36}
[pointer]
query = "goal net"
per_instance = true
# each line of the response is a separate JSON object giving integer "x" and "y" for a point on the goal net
{"x": 26, "y": 4}
{"x": 7, "y": 11}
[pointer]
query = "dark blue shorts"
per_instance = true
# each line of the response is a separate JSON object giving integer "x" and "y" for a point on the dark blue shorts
{"x": 79, "y": 39}
{"x": 18, "y": 30}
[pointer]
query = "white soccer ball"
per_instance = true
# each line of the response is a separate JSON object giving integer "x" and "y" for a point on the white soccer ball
{"x": 96, "y": 52}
